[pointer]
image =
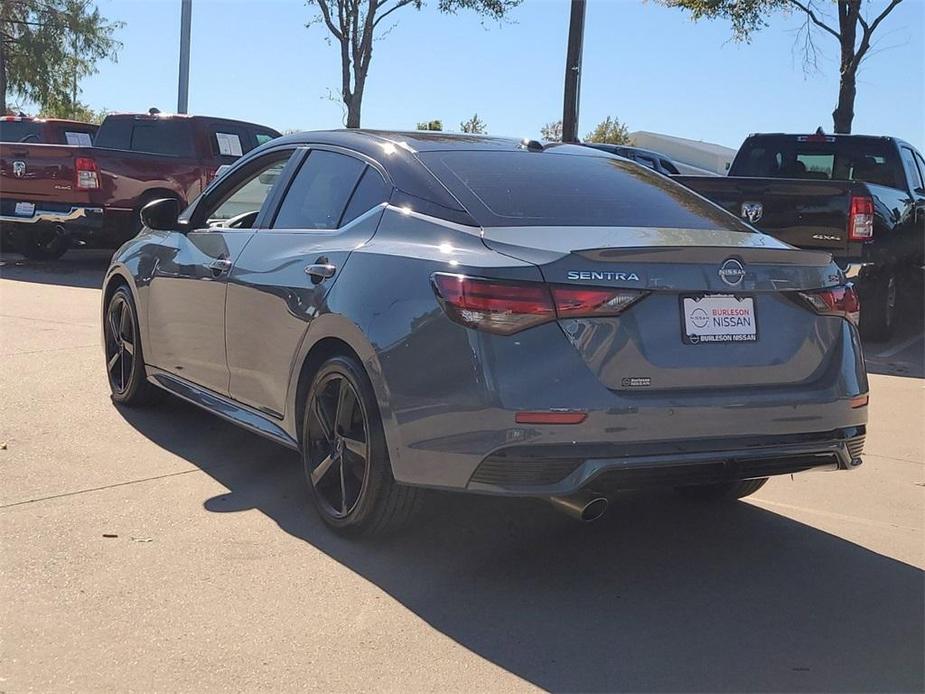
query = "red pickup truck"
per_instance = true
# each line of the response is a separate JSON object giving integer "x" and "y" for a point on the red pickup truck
{"x": 52, "y": 196}
{"x": 51, "y": 131}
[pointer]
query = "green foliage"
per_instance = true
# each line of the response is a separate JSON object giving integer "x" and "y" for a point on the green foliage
{"x": 552, "y": 132}
{"x": 609, "y": 131}
{"x": 746, "y": 16}
{"x": 48, "y": 46}
{"x": 79, "y": 111}
{"x": 492, "y": 9}
{"x": 436, "y": 125}
{"x": 474, "y": 125}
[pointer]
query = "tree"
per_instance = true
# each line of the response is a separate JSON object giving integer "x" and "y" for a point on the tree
{"x": 436, "y": 125}
{"x": 552, "y": 132}
{"x": 853, "y": 32}
{"x": 474, "y": 125}
{"x": 48, "y": 46}
{"x": 610, "y": 131}
{"x": 78, "y": 111}
{"x": 355, "y": 23}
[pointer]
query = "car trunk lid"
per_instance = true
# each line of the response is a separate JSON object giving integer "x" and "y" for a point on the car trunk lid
{"x": 747, "y": 285}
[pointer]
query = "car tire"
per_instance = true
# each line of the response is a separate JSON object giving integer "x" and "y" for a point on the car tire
{"x": 43, "y": 243}
{"x": 345, "y": 458}
{"x": 726, "y": 491}
{"x": 878, "y": 308}
{"x": 125, "y": 364}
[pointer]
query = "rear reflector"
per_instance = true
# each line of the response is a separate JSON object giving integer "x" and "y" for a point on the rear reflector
{"x": 87, "y": 175}
{"x": 860, "y": 401}
{"x": 835, "y": 301}
{"x": 861, "y": 218}
{"x": 509, "y": 307}
{"x": 550, "y": 417}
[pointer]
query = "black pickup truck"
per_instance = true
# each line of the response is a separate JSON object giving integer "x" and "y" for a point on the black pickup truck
{"x": 861, "y": 198}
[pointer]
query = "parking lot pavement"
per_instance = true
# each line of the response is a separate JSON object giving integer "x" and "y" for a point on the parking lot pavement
{"x": 163, "y": 549}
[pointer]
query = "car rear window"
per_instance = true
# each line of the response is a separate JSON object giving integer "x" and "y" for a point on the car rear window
{"x": 818, "y": 157}
{"x": 170, "y": 137}
{"x": 549, "y": 189}
{"x": 20, "y": 131}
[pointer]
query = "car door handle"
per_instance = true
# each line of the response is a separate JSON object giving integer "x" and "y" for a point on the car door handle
{"x": 320, "y": 272}
{"x": 219, "y": 266}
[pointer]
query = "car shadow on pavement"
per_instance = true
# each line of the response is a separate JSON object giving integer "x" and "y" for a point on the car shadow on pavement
{"x": 660, "y": 595}
{"x": 78, "y": 268}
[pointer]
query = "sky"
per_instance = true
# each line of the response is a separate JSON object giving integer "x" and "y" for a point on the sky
{"x": 648, "y": 65}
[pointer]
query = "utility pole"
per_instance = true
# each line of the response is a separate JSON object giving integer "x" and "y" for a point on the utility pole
{"x": 576, "y": 37}
{"x": 186, "y": 17}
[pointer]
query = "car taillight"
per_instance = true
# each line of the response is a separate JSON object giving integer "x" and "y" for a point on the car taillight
{"x": 861, "y": 218}
{"x": 835, "y": 301}
{"x": 87, "y": 174}
{"x": 509, "y": 307}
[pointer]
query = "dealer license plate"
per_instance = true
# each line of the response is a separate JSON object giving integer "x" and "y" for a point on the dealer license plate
{"x": 25, "y": 209}
{"x": 718, "y": 318}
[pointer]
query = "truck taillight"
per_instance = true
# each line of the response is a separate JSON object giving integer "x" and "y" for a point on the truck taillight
{"x": 87, "y": 174}
{"x": 861, "y": 218}
{"x": 508, "y": 307}
{"x": 835, "y": 301}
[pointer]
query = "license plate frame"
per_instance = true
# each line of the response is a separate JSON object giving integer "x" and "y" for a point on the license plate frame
{"x": 693, "y": 334}
{"x": 24, "y": 209}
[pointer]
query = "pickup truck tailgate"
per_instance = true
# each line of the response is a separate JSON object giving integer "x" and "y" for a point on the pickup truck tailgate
{"x": 41, "y": 173}
{"x": 805, "y": 213}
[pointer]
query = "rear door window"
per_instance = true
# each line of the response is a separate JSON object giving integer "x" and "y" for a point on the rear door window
{"x": 160, "y": 136}
{"x": 372, "y": 190}
{"x": 319, "y": 192}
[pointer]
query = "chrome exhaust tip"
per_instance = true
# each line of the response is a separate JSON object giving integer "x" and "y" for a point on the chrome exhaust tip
{"x": 583, "y": 506}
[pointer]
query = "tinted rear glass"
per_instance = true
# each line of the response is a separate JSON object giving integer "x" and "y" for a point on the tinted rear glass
{"x": 549, "y": 189}
{"x": 825, "y": 158}
{"x": 170, "y": 137}
{"x": 20, "y": 131}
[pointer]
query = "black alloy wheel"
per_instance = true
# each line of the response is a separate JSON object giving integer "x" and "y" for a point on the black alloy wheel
{"x": 125, "y": 366}
{"x": 338, "y": 450}
{"x": 120, "y": 343}
{"x": 346, "y": 460}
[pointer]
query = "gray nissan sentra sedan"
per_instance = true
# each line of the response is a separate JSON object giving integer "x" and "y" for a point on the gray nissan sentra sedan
{"x": 414, "y": 310}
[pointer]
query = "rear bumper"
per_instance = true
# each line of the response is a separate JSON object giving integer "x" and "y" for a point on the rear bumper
{"x": 73, "y": 219}
{"x": 562, "y": 470}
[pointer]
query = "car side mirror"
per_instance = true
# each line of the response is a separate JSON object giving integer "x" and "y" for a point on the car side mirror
{"x": 161, "y": 215}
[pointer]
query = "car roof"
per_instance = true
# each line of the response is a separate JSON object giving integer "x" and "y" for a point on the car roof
{"x": 374, "y": 142}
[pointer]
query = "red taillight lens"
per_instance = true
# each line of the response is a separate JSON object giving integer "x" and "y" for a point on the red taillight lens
{"x": 499, "y": 307}
{"x": 508, "y": 307}
{"x": 836, "y": 301}
{"x": 87, "y": 174}
{"x": 861, "y": 219}
{"x": 572, "y": 302}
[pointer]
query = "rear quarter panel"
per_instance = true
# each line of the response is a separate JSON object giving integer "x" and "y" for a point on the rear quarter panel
{"x": 426, "y": 370}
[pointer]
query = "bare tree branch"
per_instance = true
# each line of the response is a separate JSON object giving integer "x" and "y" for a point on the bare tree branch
{"x": 812, "y": 15}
